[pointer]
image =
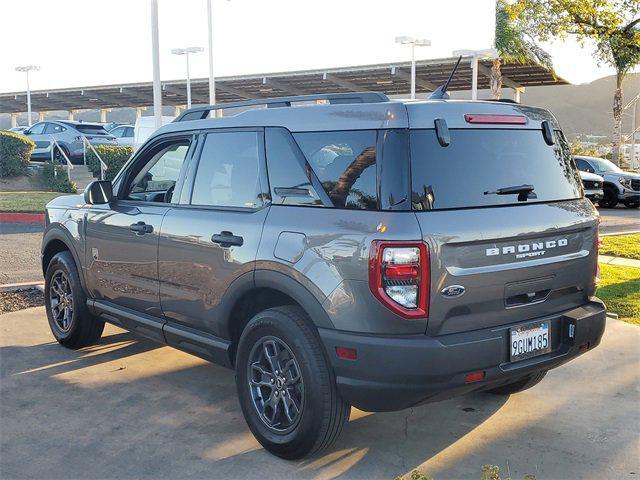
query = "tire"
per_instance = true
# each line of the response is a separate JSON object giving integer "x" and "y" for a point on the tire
{"x": 520, "y": 385}
{"x": 632, "y": 204}
{"x": 58, "y": 156}
{"x": 317, "y": 413}
{"x": 610, "y": 199}
{"x": 71, "y": 323}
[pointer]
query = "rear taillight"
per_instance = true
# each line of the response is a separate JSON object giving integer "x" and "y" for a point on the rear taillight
{"x": 399, "y": 276}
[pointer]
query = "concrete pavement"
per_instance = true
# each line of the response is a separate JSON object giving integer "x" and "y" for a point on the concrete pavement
{"x": 128, "y": 408}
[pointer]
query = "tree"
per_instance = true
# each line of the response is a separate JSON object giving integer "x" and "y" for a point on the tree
{"x": 514, "y": 44}
{"x": 613, "y": 25}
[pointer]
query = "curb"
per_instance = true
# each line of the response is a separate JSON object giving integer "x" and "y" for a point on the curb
{"x": 614, "y": 316}
{"x": 618, "y": 261}
{"x": 21, "y": 217}
{"x": 15, "y": 287}
{"x": 631, "y": 232}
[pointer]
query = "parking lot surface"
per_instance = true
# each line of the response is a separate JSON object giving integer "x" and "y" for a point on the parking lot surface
{"x": 128, "y": 408}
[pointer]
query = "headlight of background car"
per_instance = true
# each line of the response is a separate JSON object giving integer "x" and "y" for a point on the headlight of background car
{"x": 625, "y": 182}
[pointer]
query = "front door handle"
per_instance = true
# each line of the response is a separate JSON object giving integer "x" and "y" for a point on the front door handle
{"x": 141, "y": 228}
{"x": 227, "y": 239}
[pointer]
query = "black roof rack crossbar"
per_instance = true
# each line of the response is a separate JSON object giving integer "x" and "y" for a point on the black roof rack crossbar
{"x": 199, "y": 113}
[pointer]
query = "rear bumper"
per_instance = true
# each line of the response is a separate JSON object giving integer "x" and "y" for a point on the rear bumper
{"x": 396, "y": 372}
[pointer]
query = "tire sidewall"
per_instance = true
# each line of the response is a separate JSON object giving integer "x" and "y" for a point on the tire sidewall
{"x": 64, "y": 262}
{"x": 273, "y": 323}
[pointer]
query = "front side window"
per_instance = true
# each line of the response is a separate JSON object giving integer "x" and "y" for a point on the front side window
{"x": 602, "y": 165}
{"x": 477, "y": 163}
{"x": 117, "y": 132}
{"x": 37, "y": 129}
{"x": 229, "y": 171}
{"x": 345, "y": 164}
{"x": 156, "y": 180}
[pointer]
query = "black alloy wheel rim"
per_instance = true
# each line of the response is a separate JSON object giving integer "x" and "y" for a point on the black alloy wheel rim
{"x": 275, "y": 384}
{"x": 61, "y": 300}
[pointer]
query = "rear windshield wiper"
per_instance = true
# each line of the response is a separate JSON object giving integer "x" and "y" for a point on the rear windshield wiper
{"x": 524, "y": 192}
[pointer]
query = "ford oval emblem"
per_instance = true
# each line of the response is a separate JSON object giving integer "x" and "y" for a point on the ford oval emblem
{"x": 452, "y": 291}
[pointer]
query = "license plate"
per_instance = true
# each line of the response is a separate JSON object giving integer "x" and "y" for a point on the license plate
{"x": 530, "y": 340}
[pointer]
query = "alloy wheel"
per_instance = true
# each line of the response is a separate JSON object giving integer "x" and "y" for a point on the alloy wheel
{"x": 275, "y": 384}
{"x": 61, "y": 300}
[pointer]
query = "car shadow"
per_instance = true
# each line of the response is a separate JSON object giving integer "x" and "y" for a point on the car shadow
{"x": 128, "y": 408}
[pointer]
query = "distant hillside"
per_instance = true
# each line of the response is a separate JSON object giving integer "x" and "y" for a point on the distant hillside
{"x": 581, "y": 109}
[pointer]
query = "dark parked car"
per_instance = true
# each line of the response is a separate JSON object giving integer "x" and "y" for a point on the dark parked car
{"x": 619, "y": 186}
{"x": 69, "y": 135}
{"x": 363, "y": 252}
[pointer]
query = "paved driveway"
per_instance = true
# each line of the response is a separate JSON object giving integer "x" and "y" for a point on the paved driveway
{"x": 128, "y": 408}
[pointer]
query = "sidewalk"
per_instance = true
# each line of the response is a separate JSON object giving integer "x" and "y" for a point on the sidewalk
{"x": 619, "y": 261}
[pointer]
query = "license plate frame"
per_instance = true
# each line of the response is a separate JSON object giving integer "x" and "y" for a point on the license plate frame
{"x": 530, "y": 340}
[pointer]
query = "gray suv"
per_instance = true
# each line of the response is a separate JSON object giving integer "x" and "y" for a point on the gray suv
{"x": 619, "y": 186}
{"x": 339, "y": 250}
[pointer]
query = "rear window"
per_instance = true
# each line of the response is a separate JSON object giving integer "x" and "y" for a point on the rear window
{"x": 91, "y": 129}
{"x": 484, "y": 160}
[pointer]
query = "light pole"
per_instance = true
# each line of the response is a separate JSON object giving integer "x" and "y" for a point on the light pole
{"x": 489, "y": 53}
{"x": 27, "y": 69}
{"x": 212, "y": 81}
{"x": 414, "y": 42}
{"x": 155, "y": 52}
{"x": 186, "y": 52}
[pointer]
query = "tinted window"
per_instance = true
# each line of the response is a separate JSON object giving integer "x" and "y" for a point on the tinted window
{"x": 290, "y": 175}
{"x": 54, "y": 128}
{"x": 229, "y": 171}
{"x": 128, "y": 132}
{"x": 160, "y": 174}
{"x": 584, "y": 166}
{"x": 91, "y": 129}
{"x": 345, "y": 164}
{"x": 479, "y": 161}
{"x": 37, "y": 129}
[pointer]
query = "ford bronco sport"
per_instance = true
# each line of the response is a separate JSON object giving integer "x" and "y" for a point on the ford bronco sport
{"x": 338, "y": 250}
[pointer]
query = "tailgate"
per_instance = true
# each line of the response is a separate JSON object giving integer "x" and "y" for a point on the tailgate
{"x": 514, "y": 263}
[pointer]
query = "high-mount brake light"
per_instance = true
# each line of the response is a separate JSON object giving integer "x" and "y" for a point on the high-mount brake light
{"x": 399, "y": 276}
{"x": 481, "y": 118}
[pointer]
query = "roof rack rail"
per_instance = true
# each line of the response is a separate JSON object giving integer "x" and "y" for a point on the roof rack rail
{"x": 199, "y": 113}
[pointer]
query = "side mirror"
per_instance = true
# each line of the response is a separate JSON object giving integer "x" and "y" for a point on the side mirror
{"x": 98, "y": 192}
{"x": 26, "y": 132}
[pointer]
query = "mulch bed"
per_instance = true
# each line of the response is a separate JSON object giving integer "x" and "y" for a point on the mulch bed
{"x": 13, "y": 301}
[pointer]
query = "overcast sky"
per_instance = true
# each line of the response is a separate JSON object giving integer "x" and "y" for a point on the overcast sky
{"x": 82, "y": 43}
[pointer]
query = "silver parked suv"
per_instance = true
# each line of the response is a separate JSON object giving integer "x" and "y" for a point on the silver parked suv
{"x": 354, "y": 251}
{"x": 69, "y": 135}
{"x": 619, "y": 186}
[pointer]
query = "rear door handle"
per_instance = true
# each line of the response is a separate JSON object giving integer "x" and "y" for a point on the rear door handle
{"x": 141, "y": 228}
{"x": 227, "y": 239}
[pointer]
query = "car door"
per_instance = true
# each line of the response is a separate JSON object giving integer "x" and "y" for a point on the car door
{"x": 37, "y": 135}
{"x": 122, "y": 237}
{"x": 211, "y": 238}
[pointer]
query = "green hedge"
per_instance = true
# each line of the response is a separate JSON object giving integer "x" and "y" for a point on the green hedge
{"x": 54, "y": 178}
{"x": 15, "y": 153}
{"x": 113, "y": 156}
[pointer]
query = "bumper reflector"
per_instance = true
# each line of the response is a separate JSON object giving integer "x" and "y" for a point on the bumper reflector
{"x": 474, "y": 376}
{"x": 346, "y": 353}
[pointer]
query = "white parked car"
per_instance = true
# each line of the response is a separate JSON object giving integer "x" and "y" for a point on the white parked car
{"x": 592, "y": 185}
{"x": 124, "y": 135}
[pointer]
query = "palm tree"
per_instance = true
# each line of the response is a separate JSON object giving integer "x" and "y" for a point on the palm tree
{"x": 513, "y": 45}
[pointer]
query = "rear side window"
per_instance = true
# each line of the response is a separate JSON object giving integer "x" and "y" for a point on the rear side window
{"x": 54, "y": 128}
{"x": 345, "y": 164}
{"x": 228, "y": 172}
{"x": 480, "y": 161}
{"x": 290, "y": 175}
{"x": 91, "y": 129}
